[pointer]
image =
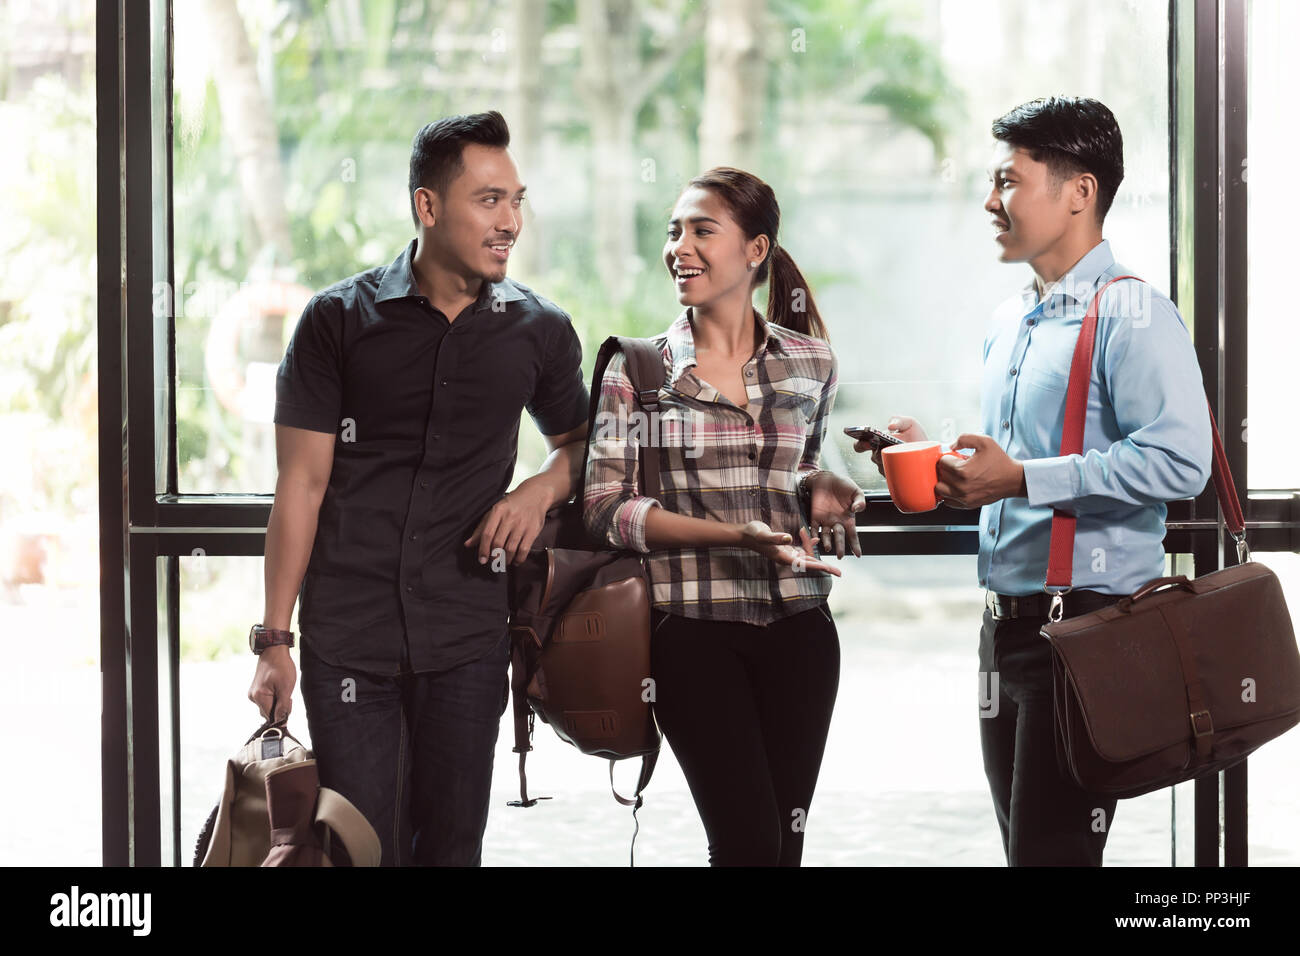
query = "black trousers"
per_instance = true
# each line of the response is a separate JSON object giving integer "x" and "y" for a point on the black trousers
{"x": 1046, "y": 819}
{"x": 746, "y": 710}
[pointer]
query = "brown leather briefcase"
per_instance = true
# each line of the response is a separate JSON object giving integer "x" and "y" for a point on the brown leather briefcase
{"x": 1182, "y": 678}
{"x": 1185, "y": 677}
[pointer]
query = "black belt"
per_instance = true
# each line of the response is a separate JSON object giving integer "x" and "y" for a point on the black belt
{"x": 1006, "y": 607}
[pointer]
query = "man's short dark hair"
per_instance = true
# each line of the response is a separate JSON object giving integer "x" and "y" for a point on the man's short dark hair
{"x": 1072, "y": 135}
{"x": 437, "y": 150}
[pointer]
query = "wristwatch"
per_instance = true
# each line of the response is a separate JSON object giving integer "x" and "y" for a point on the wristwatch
{"x": 260, "y": 638}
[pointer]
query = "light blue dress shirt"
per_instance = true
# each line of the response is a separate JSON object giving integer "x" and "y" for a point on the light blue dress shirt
{"x": 1146, "y": 432}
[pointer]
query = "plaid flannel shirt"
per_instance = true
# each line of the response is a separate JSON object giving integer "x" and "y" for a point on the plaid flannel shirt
{"x": 717, "y": 461}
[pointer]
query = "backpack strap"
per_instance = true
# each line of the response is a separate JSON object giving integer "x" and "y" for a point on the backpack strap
{"x": 647, "y": 771}
{"x": 645, "y": 368}
{"x": 523, "y": 716}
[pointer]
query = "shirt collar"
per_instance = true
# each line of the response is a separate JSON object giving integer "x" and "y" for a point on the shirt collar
{"x": 1080, "y": 280}
{"x": 681, "y": 341}
{"x": 399, "y": 283}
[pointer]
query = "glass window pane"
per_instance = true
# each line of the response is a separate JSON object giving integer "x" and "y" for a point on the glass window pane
{"x": 1273, "y": 777}
{"x": 49, "y": 519}
{"x": 897, "y": 220}
{"x": 304, "y": 185}
{"x": 1273, "y": 206}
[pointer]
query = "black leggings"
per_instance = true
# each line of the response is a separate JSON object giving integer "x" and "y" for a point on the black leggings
{"x": 746, "y": 710}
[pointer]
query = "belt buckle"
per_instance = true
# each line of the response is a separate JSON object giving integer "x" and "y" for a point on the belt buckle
{"x": 999, "y": 608}
{"x": 1196, "y": 731}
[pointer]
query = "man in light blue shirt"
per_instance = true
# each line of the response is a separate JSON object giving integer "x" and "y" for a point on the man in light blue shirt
{"x": 1146, "y": 432}
{"x": 1057, "y": 165}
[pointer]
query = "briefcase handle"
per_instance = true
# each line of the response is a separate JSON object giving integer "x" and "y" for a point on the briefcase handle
{"x": 1125, "y": 604}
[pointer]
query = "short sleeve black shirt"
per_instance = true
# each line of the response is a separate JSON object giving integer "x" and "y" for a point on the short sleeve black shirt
{"x": 425, "y": 414}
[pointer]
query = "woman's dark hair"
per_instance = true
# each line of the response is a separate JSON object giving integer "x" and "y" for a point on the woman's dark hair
{"x": 1072, "y": 135}
{"x": 436, "y": 151}
{"x": 753, "y": 205}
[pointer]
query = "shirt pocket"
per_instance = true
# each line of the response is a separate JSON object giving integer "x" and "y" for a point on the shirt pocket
{"x": 794, "y": 402}
{"x": 1046, "y": 379}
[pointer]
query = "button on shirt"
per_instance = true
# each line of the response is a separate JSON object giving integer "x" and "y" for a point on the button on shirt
{"x": 720, "y": 462}
{"x": 426, "y": 417}
{"x": 1146, "y": 431}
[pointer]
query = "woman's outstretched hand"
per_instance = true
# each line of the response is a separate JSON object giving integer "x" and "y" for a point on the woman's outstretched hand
{"x": 780, "y": 547}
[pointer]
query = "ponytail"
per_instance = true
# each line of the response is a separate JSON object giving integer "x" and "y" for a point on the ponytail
{"x": 789, "y": 299}
{"x": 752, "y": 202}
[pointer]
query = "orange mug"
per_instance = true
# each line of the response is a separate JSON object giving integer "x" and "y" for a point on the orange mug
{"x": 911, "y": 470}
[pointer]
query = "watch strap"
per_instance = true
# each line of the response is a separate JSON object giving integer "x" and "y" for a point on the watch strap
{"x": 260, "y": 638}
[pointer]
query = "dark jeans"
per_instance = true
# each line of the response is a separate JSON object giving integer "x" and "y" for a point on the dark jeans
{"x": 746, "y": 710}
{"x": 1046, "y": 819}
{"x": 413, "y": 752}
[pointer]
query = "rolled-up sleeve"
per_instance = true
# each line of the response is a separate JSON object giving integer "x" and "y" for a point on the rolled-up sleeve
{"x": 1158, "y": 400}
{"x": 613, "y": 509}
{"x": 812, "y": 448}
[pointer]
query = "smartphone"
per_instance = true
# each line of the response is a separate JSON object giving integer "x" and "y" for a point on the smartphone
{"x": 873, "y": 436}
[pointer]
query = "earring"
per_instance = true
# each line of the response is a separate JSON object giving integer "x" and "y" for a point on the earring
{"x": 752, "y": 264}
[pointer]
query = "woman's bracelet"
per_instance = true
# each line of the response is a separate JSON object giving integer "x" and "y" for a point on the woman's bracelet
{"x": 801, "y": 487}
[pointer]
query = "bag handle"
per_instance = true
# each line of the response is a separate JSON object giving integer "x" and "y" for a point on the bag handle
{"x": 269, "y": 722}
{"x": 282, "y": 725}
{"x": 1060, "y": 559}
{"x": 1154, "y": 585}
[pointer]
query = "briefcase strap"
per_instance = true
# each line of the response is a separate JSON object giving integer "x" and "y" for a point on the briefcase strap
{"x": 1060, "y": 559}
{"x": 1202, "y": 724}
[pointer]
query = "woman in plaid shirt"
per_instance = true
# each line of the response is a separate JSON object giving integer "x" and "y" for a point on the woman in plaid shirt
{"x": 745, "y": 655}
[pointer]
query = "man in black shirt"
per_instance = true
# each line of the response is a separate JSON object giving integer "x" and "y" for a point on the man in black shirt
{"x": 397, "y": 417}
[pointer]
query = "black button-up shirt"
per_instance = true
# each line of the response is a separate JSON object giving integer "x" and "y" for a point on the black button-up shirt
{"x": 425, "y": 414}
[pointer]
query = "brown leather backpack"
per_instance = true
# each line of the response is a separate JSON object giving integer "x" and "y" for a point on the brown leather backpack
{"x": 580, "y": 617}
